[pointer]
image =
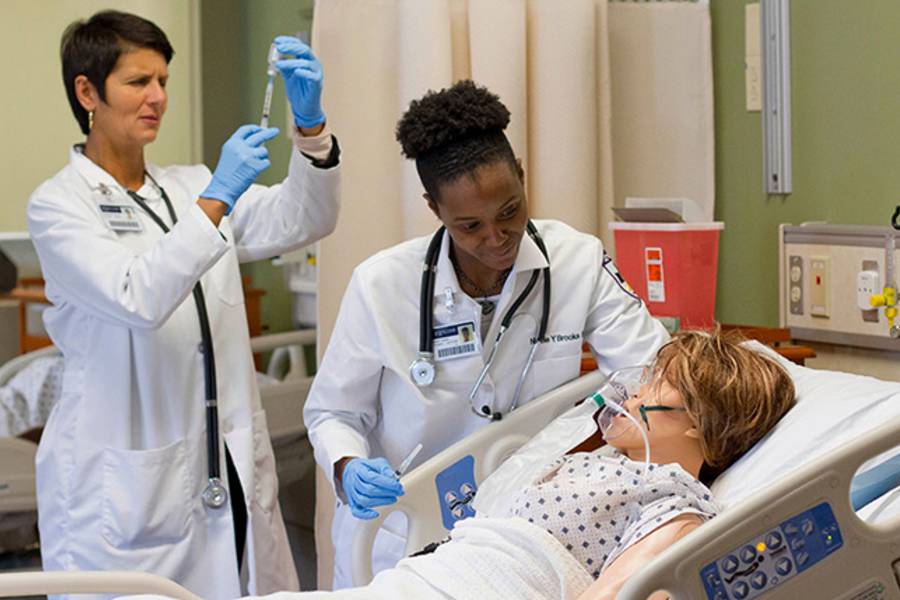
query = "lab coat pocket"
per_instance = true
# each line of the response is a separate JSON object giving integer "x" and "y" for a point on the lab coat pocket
{"x": 146, "y": 496}
{"x": 265, "y": 481}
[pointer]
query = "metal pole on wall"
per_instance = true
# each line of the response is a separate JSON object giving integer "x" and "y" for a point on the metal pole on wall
{"x": 776, "y": 121}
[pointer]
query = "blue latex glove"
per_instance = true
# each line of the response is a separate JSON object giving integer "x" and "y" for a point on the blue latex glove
{"x": 302, "y": 81}
{"x": 242, "y": 159}
{"x": 369, "y": 482}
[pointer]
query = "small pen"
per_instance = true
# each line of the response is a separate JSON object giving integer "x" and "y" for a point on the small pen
{"x": 408, "y": 461}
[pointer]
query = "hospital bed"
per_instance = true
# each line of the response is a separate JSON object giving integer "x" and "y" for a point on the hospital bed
{"x": 788, "y": 498}
{"x": 283, "y": 389}
{"x": 797, "y": 477}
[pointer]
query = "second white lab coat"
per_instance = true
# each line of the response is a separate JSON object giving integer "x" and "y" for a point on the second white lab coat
{"x": 363, "y": 403}
{"x": 122, "y": 462}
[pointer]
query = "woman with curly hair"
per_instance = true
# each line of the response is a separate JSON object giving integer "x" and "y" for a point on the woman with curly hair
{"x": 488, "y": 272}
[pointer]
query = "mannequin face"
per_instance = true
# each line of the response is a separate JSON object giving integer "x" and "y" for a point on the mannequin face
{"x": 485, "y": 213}
{"x": 135, "y": 102}
{"x": 666, "y": 430}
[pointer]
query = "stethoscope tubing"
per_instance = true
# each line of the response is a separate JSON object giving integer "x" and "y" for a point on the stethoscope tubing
{"x": 429, "y": 269}
{"x": 426, "y": 316}
{"x": 215, "y": 490}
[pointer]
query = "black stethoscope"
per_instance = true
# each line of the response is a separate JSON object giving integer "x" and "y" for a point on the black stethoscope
{"x": 422, "y": 369}
{"x": 214, "y": 495}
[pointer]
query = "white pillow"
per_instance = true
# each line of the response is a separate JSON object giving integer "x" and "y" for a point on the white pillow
{"x": 832, "y": 409}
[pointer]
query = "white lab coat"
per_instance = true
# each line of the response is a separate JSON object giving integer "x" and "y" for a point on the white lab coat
{"x": 122, "y": 462}
{"x": 363, "y": 403}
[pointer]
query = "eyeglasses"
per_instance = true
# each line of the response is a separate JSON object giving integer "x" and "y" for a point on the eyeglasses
{"x": 644, "y": 409}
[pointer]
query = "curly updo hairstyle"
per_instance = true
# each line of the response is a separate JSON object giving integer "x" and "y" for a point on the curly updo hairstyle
{"x": 452, "y": 132}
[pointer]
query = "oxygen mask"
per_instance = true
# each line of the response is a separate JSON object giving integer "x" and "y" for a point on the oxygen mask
{"x": 615, "y": 420}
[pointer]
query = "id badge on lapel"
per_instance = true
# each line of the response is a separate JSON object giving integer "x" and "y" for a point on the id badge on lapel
{"x": 117, "y": 217}
{"x": 121, "y": 217}
{"x": 456, "y": 340}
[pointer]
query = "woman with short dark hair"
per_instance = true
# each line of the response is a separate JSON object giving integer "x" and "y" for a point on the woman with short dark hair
{"x": 141, "y": 265}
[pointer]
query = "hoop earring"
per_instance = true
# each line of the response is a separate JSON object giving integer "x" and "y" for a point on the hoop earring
{"x": 90, "y": 120}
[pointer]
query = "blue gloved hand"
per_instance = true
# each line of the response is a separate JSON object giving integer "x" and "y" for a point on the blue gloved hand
{"x": 369, "y": 482}
{"x": 242, "y": 159}
{"x": 302, "y": 81}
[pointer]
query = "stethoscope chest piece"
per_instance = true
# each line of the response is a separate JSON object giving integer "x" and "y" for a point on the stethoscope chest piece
{"x": 422, "y": 371}
{"x": 215, "y": 495}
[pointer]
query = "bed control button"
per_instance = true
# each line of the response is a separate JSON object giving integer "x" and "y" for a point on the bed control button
{"x": 783, "y": 565}
{"x": 797, "y": 544}
{"x": 802, "y": 558}
{"x": 807, "y": 527}
{"x": 740, "y": 590}
{"x": 730, "y": 564}
{"x": 773, "y": 540}
{"x": 790, "y": 529}
{"x": 759, "y": 580}
{"x": 748, "y": 554}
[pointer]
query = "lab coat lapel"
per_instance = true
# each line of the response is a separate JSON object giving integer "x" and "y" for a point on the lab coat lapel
{"x": 97, "y": 178}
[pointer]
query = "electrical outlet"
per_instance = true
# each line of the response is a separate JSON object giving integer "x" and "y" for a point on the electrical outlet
{"x": 795, "y": 284}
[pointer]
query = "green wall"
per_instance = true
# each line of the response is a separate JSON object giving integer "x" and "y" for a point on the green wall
{"x": 845, "y": 60}
{"x": 236, "y": 39}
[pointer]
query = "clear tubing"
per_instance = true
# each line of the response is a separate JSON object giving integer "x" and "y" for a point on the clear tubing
{"x": 267, "y": 103}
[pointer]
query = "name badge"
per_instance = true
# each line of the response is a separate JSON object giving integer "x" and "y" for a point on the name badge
{"x": 456, "y": 340}
{"x": 120, "y": 217}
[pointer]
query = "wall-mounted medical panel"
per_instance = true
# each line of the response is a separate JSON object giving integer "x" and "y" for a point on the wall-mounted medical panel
{"x": 825, "y": 273}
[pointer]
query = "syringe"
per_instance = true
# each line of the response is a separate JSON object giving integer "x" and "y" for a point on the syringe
{"x": 408, "y": 460}
{"x": 271, "y": 70}
{"x": 267, "y": 103}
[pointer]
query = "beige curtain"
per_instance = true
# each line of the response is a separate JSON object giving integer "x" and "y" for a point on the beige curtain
{"x": 662, "y": 101}
{"x": 548, "y": 60}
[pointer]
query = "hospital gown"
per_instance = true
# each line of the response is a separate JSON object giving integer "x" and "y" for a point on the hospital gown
{"x": 599, "y": 505}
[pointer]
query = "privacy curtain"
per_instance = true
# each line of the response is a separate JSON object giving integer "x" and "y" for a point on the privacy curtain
{"x": 550, "y": 63}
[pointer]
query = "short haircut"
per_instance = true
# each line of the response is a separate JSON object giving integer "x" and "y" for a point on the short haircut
{"x": 92, "y": 48}
{"x": 453, "y": 132}
{"x": 734, "y": 395}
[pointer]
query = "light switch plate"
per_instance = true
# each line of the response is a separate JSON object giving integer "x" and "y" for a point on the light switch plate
{"x": 819, "y": 286}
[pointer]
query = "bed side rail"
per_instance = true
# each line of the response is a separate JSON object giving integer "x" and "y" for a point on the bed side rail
{"x": 489, "y": 447}
{"x": 838, "y": 556}
{"x": 270, "y": 341}
{"x": 13, "y": 585}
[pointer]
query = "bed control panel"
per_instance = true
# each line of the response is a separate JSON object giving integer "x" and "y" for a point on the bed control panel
{"x": 771, "y": 558}
{"x": 456, "y": 489}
